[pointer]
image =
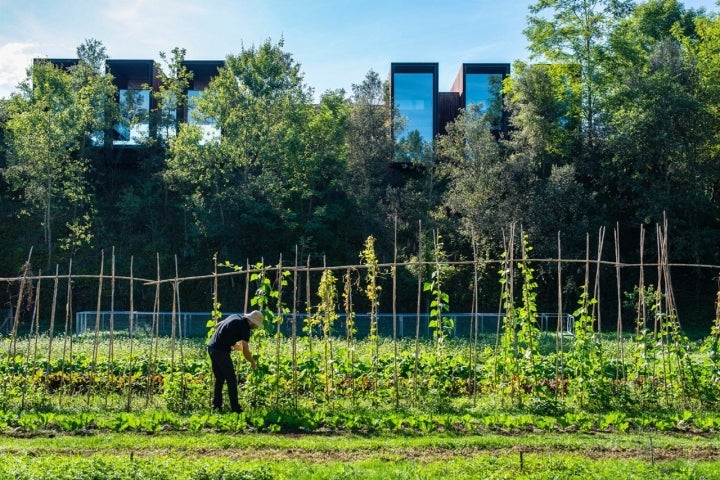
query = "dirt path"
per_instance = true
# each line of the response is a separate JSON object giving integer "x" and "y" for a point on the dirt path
{"x": 421, "y": 455}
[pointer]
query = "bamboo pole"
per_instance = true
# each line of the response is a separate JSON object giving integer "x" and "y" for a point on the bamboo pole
{"x": 53, "y": 311}
{"x": 247, "y": 285}
{"x": 586, "y": 285}
{"x": 439, "y": 333}
{"x": 504, "y": 288}
{"x": 641, "y": 325}
{"x": 394, "y": 317}
{"x": 111, "y": 343}
{"x": 474, "y": 321}
{"x": 51, "y": 329}
{"x": 181, "y": 337}
{"x": 156, "y": 311}
{"x": 67, "y": 336}
{"x": 510, "y": 304}
{"x": 173, "y": 333}
{"x": 531, "y": 316}
{"x": 278, "y": 332}
{"x": 153, "y": 353}
{"x": 419, "y": 267}
{"x": 597, "y": 311}
{"x": 349, "y": 330}
{"x": 500, "y": 262}
{"x": 620, "y": 327}
{"x": 131, "y": 327}
{"x": 620, "y": 369}
{"x": 36, "y": 324}
{"x": 32, "y": 334}
{"x": 18, "y": 308}
{"x": 663, "y": 340}
{"x": 96, "y": 337}
{"x": 111, "y": 348}
{"x": 173, "y": 320}
{"x": 641, "y": 318}
{"x": 308, "y": 307}
{"x": 293, "y": 327}
{"x": 98, "y": 307}
{"x": 559, "y": 347}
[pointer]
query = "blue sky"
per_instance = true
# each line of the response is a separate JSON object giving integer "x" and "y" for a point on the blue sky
{"x": 336, "y": 42}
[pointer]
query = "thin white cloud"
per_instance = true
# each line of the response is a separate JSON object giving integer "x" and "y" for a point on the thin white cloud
{"x": 149, "y": 21}
{"x": 16, "y": 58}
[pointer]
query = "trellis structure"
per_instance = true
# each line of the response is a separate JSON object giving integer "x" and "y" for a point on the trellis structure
{"x": 50, "y": 342}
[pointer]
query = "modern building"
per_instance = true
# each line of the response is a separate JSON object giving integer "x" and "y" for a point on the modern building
{"x": 421, "y": 111}
{"x": 135, "y": 81}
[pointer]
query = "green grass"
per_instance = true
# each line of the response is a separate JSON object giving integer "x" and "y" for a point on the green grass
{"x": 215, "y": 456}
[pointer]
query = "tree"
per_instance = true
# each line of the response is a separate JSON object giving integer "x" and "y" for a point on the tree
{"x": 545, "y": 116}
{"x": 52, "y": 122}
{"x": 657, "y": 124}
{"x": 171, "y": 95}
{"x": 273, "y": 172}
{"x": 370, "y": 153}
{"x": 707, "y": 51}
{"x": 475, "y": 170}
{"x": 577, "y": 32}
{"x": 544, "y": 102}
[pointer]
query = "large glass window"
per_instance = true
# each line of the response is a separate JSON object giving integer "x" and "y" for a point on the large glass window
{"x": 167, "y": 122}
{"x": 134, "y": 127}
{"x": 208, "y": 126}
{"x": 414, "y": 115}
{"x": 483, "y": 88}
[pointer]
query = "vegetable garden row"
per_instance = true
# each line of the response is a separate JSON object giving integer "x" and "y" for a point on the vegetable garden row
{"x": 312, "y": 378}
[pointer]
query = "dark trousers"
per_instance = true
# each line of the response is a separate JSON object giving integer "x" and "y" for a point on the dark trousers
{"x": 224, "y": 371}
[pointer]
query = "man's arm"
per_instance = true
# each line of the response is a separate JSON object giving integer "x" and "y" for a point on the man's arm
{"x": 245, "y": 347}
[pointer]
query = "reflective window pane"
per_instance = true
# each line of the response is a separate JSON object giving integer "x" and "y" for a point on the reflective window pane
{"x": 166, "y": 127}
{"x": 134, "y": 110}
{"x": 207, "y": 125}
{"x": 482, "y": 88}
{"x": 414, "y": 103}
{"x": 414, "y": 116}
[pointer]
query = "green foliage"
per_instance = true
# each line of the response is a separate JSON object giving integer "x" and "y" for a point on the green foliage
{"x": 490, "y": 455}
{"x": 185, "y": 392}
{"x": 440, "y": 300}
{"x": 576, "y": 32}
{"x": 516, "y": 363}
{"x": 369, "y": 149}
{"x": 372, "y": 288}
{"x": 585, "y": 361}
{"x": 47, "y": 164}
{"x": 623, "y": 125}
{"x": 278, "y": 167}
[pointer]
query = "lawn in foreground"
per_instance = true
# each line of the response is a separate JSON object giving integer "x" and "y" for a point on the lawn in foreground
{"x": 261, "y": 456}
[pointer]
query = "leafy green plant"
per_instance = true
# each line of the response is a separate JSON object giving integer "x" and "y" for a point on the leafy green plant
{"x": 585, "y": 360}
{"x": 327, "y": 315}
{"x": 372, "y": 289}
{"x": 440, "y": 324}
{"x": 185, "y": 392}
{"x": 517, "y": 363}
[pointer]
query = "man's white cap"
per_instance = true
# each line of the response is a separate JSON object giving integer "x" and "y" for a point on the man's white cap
{"x": 255, "y": 317}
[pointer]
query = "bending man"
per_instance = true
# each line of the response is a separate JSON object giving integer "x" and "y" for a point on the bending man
{"x": 230, "y": 334}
